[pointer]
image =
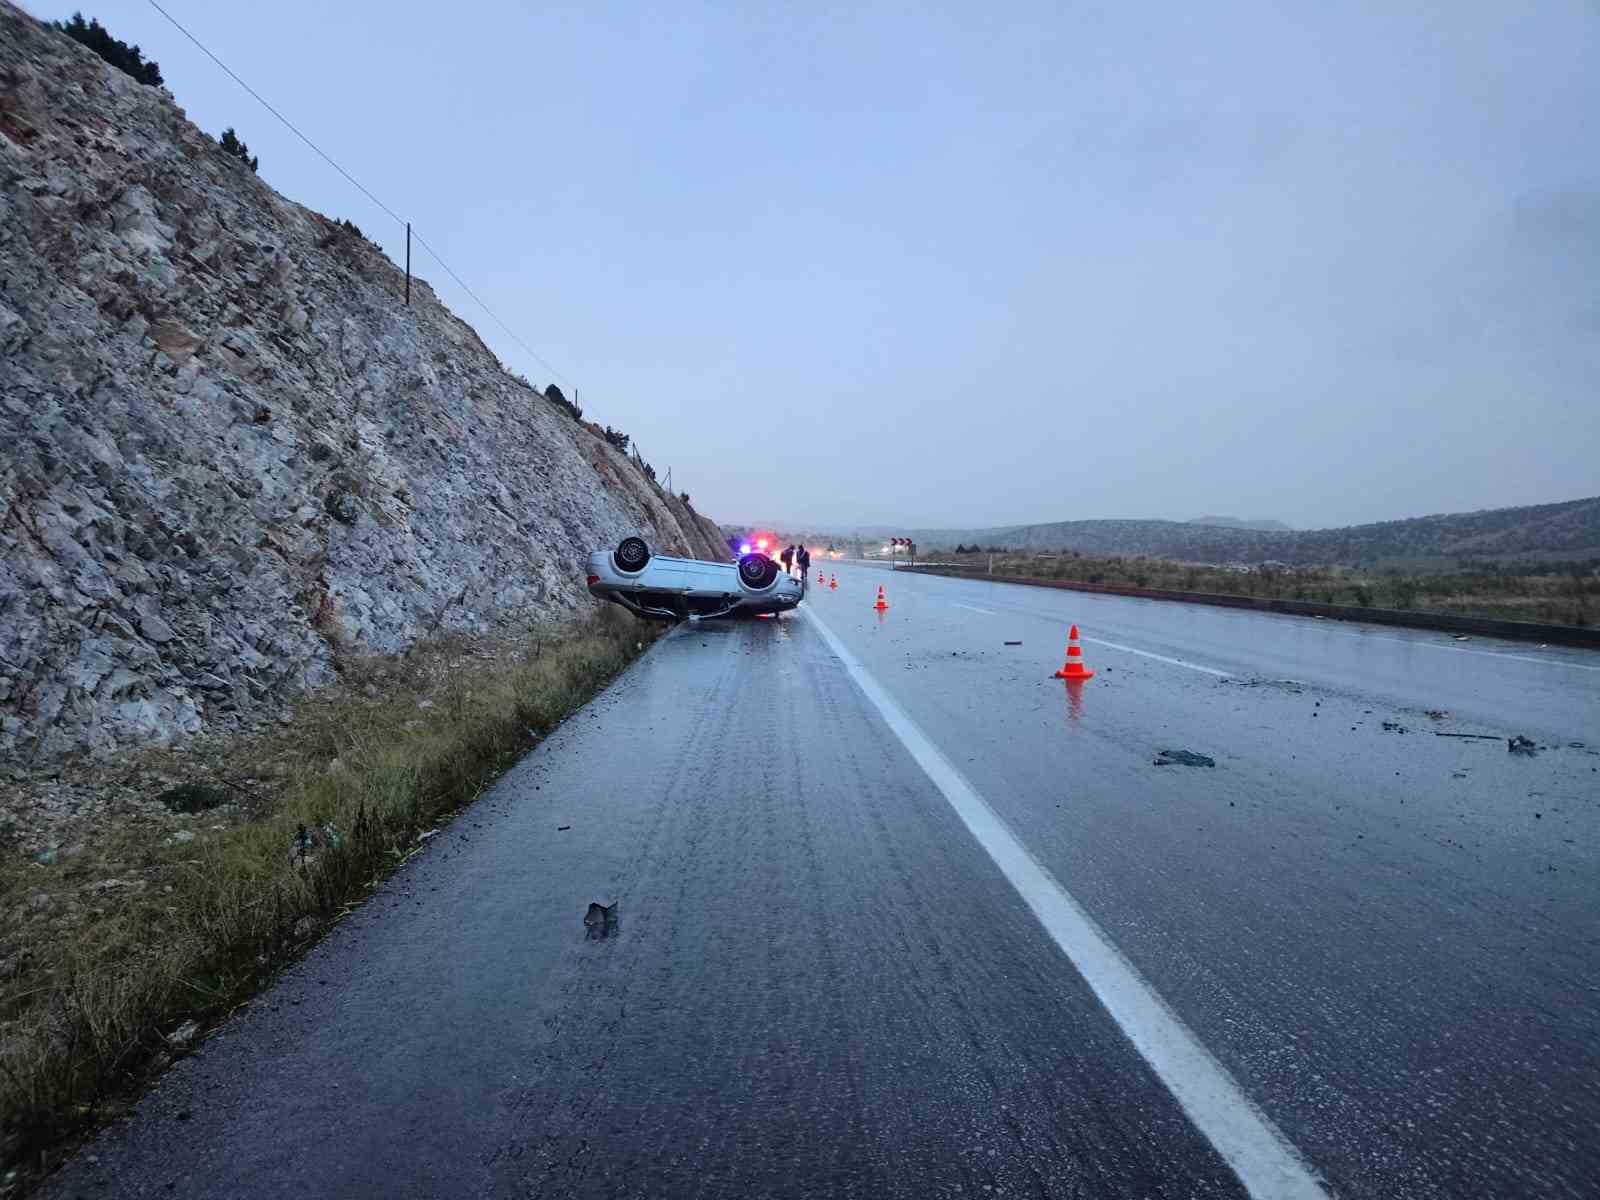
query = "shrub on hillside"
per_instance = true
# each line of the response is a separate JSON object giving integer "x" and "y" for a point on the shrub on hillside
{"x": 617, "y": 438}
{"x": 230, "y": 143}
{"x": 1402, "y": 591}
{"x": 555, "y": 395}
{"x": 130, "y": 60}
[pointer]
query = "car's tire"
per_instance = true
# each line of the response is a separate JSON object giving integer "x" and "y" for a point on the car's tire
{"x": 757, "y": 573}
{"x": 631, "y": 555}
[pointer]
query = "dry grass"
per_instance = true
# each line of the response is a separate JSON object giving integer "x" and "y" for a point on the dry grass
{"x": 1555, "y": 599}
{"x": 88, "y": 1008}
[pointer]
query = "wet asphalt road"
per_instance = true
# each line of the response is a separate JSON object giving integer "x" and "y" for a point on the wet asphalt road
{"x": 821, "y": 985}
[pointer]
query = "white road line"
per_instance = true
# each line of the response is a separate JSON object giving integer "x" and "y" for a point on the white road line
{"x": 1177, "y": 662}
{"x": 1527, "y": 658}
{"x": 1266, "y": 1164}
{"x": 1361, "y": 633}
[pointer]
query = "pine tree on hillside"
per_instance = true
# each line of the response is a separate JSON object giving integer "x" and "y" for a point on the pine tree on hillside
{"x": 128, "y": 59}
{"x": 555, "y": 395}
{"x": 230, "y": 143}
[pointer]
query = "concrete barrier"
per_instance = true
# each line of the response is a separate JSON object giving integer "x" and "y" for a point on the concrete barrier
{"x": 1522, "y": 631}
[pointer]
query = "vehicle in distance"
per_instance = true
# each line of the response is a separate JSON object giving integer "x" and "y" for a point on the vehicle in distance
{"x": 663, "y": 588}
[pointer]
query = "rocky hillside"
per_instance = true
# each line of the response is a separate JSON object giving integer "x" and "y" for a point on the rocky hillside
{"x": 230, "y": 455}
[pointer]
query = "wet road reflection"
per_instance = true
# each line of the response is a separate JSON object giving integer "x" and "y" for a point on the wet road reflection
{"x": 1074, "y": 698}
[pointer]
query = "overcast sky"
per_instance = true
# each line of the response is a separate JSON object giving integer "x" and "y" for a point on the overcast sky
{"x": 973, "y": 264}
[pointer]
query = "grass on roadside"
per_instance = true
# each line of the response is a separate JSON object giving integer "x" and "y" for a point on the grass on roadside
{"x": 89, "y": 1009}
{"x": 1566, "y": 597}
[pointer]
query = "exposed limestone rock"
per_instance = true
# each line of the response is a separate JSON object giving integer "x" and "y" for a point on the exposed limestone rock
{"x": 228, "y": 450}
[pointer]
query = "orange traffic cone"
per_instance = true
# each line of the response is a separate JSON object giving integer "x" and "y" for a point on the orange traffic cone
{"x": 821, "y": 578}
{"x": 1073, "y": 668}
{"x": 883, "y": 602}
{"x": 833, "y": 583}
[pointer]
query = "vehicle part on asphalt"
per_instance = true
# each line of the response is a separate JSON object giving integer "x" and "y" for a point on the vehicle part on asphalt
{"x": 1186, "y": 758}
{"x": 601, "y": 920}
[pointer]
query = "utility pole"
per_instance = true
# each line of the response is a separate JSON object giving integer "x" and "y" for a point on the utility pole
{"x": 408, "y": 264}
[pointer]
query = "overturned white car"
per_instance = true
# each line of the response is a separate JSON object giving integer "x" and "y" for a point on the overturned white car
{"x": 663, "y": 588}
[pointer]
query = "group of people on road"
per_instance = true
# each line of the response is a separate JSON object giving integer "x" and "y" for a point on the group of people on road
{"x": 797, "y": 558}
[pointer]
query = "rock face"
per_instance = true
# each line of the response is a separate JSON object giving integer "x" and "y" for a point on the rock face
{"x": 229, "y": 452}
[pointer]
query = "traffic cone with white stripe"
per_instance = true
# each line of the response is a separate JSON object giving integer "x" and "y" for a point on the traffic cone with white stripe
{"x": 1073, "y": 668}
{"x": 833, "y": 583}
{"x": 883, "y": 602}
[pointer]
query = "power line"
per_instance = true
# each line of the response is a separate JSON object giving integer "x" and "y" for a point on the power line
{"x": 356, "y": 183}
{"x": 275, "y": 112}
{"x": 509, "y": 331}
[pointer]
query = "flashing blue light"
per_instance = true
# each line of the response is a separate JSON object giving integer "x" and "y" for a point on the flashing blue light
{"x": 745, "y": 549}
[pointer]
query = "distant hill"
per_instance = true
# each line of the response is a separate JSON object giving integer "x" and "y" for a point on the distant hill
{"x": 1239, "y": 523}
{"x": 1537, "y": 533}
{"x": 1569, "y": 531}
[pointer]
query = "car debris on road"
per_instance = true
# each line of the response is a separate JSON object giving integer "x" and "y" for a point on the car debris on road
{"x": 601, "y": 921}
{"x": 1186, "y": 758}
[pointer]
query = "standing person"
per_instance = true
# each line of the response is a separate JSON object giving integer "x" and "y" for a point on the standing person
{"x": 787, "y": 559}
{"x": 803, "y": 557}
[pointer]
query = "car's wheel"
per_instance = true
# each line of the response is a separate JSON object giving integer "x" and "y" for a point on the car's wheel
{"x": 631, "y": 555}
{"x": 757, "y": 572}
